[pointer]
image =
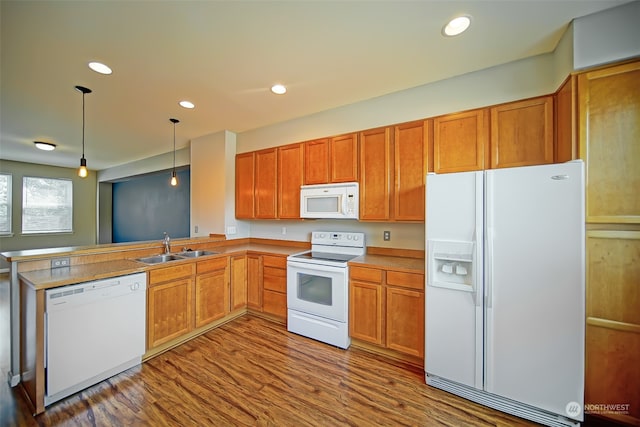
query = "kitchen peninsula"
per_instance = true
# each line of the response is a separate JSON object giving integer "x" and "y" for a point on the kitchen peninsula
{"x": 185, "y": 297}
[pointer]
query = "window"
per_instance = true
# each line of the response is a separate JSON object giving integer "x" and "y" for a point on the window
{"x": 47, "y": 205}
{"x": 5, "y": 203}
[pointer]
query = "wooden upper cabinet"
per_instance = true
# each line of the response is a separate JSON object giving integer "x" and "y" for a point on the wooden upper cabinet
{"x": 343, "y": 158}
{"x": 610, "y": 142}
{"x": 290, "y": 178}
{"x": 244, "y": 185}
{"x": 375, "y": 174}
{"x": 411, "y": 142}
{"x": 266, "y": 163}
{"x": 316, "y": 161}
{"x": 460, "y": 141}
{"x": 566, "y": 146}
{"x": 331, "y": 160}
{"x": 522, "y": 133}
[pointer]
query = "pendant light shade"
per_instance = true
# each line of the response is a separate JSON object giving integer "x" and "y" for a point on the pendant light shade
{"x": 82, "y": 171}
{"x": 174, "y": 178}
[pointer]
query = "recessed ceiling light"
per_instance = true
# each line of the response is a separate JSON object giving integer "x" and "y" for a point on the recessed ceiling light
{"x": 457, "y": 26}
{"x": 99, "y": 67}
{"x": 278, "y": 89}
{"x": 46, "y": 146}
{"x": 187, "y": 104}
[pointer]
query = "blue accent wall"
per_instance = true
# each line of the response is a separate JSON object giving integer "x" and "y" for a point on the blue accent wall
{"x": 145, "y": 207}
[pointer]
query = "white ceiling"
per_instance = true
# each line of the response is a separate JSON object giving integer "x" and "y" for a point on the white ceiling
{"x": 224, "y": 56}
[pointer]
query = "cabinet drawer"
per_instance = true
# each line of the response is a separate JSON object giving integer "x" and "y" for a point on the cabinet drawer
{"x": 406, "y": 280}
{"x": 274, "y": 303}
{"x": 170, "y": 273}
{"x": 368, "y": 274}
{"x": 274, "y": 261}
{"x": 275, "y": 279}
{"x": 211, "y": 265}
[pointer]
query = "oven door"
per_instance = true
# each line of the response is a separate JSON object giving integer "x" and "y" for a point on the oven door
{"x": 318, "y": 289}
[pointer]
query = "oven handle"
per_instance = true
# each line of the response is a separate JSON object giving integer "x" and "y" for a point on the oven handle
{"x": 315, "y": 267}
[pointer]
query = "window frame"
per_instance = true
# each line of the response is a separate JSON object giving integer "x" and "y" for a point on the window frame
{"x": 9, "y": 232}
{"x": 25, "y": 201}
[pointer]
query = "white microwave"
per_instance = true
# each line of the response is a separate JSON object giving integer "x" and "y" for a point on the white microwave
{"x": 330, "y": 201}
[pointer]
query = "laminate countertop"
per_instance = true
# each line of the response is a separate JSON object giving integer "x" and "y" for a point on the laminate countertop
{"x": 54, "y": 277}
{"x": 409, "y": 265}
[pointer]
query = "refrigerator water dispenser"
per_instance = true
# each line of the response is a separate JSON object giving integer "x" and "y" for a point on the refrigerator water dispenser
{"x": 451, "y": 264}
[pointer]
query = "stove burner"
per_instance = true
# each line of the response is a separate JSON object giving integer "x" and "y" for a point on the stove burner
{"x": 324, "y": 256}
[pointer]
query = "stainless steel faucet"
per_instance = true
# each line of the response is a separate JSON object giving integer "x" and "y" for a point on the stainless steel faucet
{"x": 167, "y": 243}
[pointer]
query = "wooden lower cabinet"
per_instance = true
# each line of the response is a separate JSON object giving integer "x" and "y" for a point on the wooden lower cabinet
{"x": 212, "y": 296}
{"x": 612, "y": 359}
{"x": 386, "y": 308}
{"x": 188, "y": 296}
{"x": 274, "y": 283}
{"x": 254, "y": 282}
{"x": 365, "y": 311}
{"x": 238, "y": 265}
{"x": 169, "y": 311}
{"x": 405, "y": 321}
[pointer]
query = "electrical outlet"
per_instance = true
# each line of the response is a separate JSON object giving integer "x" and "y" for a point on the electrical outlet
{"x": 387, "y": 235}
{"x": 231, "y": 229}
{"x": 60, "y": 262}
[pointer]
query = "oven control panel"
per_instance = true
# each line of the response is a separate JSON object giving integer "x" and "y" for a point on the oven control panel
{"x": 338, "y": 238}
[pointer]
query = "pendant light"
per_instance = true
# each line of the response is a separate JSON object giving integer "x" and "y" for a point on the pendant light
{"x": 82, "y": 171}
{"x": 174, "y": 178}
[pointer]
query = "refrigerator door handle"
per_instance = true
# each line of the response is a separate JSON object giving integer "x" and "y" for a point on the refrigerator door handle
{"x": 478, "y": 240}
{"x": 489, "y": 236}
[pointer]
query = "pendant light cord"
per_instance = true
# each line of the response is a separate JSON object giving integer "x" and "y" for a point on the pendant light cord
{"x": 174, "y": 147}
{"x": 83, "y": 94}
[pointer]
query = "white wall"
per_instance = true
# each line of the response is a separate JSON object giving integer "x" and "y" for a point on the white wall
{"x": 516, "y": 80}
{"x": 148, "y": 165}
{"x": 607, "y": 36}
{"x": 209, "y": 183}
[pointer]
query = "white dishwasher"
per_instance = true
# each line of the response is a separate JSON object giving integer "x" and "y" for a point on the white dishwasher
{"x": 94, "y": 330}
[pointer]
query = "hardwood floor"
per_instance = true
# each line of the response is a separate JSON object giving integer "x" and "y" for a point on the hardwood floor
{"x": 253, "y": 372}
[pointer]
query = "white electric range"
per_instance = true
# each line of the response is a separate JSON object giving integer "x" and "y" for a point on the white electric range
{"x": 318, "y": 287}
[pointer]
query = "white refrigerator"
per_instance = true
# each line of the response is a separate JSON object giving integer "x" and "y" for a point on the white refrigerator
{"x": 505, "y": 289}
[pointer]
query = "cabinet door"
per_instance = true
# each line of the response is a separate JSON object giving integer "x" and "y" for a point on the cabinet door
{"x": 459, "y": 141}
{"x": 343, "y": 158}
{"x": 290, "y": 178}
{"x": 254, "y": 282}
{"x": 375, "y": 174}
{"x": 169, "y": 311}
{"x": 316, "y": 161}
{"x": 566, "y": 146}
{"x": 411, "y": 143}
{"x": 610, "y": 142}
{"x": 211, "y": 296}
{"x": 365, "y": 311}
{"x": 522, "y": 133}
{"x": 266, "y": 183}
{"x": 275, "y": 303}
{"x": 405, "y": 321}
{"x": 612, "y": 361}
{"x": 244, "y": 185}
{"x": 238, "y": 282}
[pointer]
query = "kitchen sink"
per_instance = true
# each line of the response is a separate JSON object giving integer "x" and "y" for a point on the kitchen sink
{"x": 195, "y": 254}
{"x": 157, "y": 259}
